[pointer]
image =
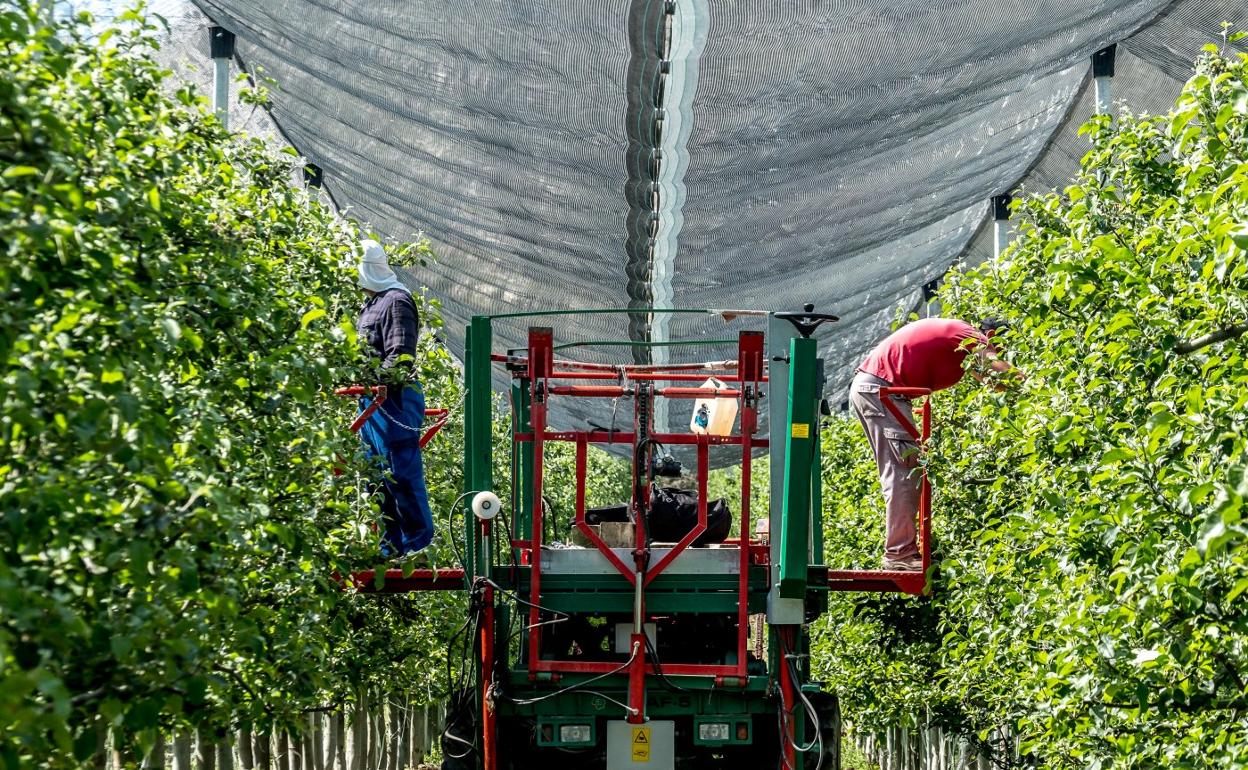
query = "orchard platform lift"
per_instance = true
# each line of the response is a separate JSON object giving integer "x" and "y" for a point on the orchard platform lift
{"x": 640, "y": 656}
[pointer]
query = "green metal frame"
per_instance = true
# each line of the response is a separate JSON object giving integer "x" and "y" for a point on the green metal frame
{"x": 800, "y": 453}
{"x": 795, "y": 526}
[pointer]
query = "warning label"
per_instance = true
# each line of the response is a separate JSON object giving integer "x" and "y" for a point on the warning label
{"x": 801, "y": 430}
{"x": 641, "y": 744}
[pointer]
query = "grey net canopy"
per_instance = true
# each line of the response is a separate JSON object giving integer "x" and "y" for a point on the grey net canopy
{"x": 697, "y": 153}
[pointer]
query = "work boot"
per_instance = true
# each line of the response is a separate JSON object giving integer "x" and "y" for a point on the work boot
{"x": 904, "y": 564}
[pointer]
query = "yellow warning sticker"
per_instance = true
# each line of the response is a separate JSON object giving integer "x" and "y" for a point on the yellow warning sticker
{"x": 801, "y": 430}
{"x": 641, "y": 744}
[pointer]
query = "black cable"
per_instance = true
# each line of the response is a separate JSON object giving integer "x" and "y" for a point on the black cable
{"x": 547, "y": 507}
{"x": 511, "y": 552}
{"x": 450, "y": 530}
{"x": 786, "y": 659}
{"x": 458, "y": 687}
{"x": 658, "y": 669}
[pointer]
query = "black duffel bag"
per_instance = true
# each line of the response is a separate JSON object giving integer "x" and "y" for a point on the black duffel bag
{"x": 674, "y": 514}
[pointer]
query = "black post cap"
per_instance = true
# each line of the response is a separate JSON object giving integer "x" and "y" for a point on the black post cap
{"x": 1001, "y": 206}
{"x": 221, "y": 42}
{"x": 1103, "y": 62}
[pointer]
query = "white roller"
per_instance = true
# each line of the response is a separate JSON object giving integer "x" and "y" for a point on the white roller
{"x": 485, "y": 505}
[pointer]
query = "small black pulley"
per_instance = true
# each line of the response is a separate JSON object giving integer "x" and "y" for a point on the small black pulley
{"x": 807, "y": 320}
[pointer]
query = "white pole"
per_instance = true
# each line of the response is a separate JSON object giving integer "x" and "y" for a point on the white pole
{"x": 221, "y": 43}
{"x": 1104, "y": 95}
{"x": 221, "y": 90}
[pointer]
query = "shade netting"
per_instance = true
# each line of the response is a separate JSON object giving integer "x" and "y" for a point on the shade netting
{"x": 645, "y": 154}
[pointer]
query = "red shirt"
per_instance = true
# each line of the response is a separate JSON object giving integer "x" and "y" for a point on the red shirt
{"x": 924, "y": 354}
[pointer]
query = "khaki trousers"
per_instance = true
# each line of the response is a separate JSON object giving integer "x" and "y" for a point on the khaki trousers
{"x": 896, "y": 456}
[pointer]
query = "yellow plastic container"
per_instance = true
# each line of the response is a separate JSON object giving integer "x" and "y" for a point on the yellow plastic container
{"x": 714, "y": 415}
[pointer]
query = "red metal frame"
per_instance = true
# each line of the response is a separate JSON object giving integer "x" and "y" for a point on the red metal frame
{"x": 752, "y": 374}
{"x": 489, "y": 748}
{"x": 887, "y": 580}
{"x": 541, "y": 362}
{"x": 788, "y": 694}
{"x": 539, "y": 369}
{"x": 396, "y": 582}
{"x": 379, "y": 395}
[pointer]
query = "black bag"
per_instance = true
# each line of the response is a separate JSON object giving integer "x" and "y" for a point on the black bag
{"x": 606, "y": 513}
{"x": 674, "y": 514}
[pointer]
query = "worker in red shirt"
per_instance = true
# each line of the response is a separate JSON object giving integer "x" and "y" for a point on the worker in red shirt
{"x": 924, "y": 354}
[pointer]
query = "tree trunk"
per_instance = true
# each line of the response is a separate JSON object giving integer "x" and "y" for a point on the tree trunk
{"x": 374, "y": 737}
{"x": 403, "y": 757}
{"x": 246, "y": 752}
{"x": 306, "y": 746}
{"x": 297, "y": 753}
{"x": 419, "y": 718}
{"x": 331, "y": 737}
{"x": 359, "y": 733}
{"x": 99, "y": 759}
{"x": 393, "y": 726}
{"x": 225, "y": 755}
{"x": 340, "y": 735}
{"x": 155, "y": 759}
{"x": 263, "y": 751}
{"x": 282, "y": 755}
{"x": 182, "y": 752}
{"x": 317, "y": 735}
{"x": 205, "y": 752}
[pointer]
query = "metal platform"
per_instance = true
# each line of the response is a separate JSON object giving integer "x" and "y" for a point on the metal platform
{"x": 914, "y": 583}
{"x": 718, "y": 560}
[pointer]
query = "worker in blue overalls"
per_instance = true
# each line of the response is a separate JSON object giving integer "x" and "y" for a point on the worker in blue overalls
{"x": 388, "y": 327}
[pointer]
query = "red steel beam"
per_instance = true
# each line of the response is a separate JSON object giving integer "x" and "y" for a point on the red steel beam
{"x": 489, "y": 748}
{"x": 581, "y": 466}
{"x": 588, "y": 391}
{"x": 604, "y": 667}
{"x": 395, "y": 582}
{"x": 627, "y": 437}
{"x": 661, "y": 377}
{"x": 541, "y": 362}
{"x": 674, "y": 392}
{"x": 750, "y": 365}
{"x": 595, "y": 375}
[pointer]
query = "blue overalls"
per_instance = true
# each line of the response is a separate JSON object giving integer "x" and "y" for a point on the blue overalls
{"x": 392, "y": 440}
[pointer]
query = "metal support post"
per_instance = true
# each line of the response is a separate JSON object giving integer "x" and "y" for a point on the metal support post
{"x": 1103, "y": 76}
{"x": 522, "y": 488}
{"x": 798, "y": 466}
{"x": 1000, "y": 224}
{"x": 221, "y": 43}
{"x": 478, "y": 473}
{"x": 489, "y": 744}
{"x": 541, "y": 364}
{"x": 786, "y": 636}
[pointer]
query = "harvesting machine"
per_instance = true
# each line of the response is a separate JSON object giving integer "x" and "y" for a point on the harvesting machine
{"x": 637, "y": 654}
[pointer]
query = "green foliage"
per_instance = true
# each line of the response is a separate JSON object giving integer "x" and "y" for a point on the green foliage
{"x": 1091, "y": 531}
{"x": 175, "y": 315}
